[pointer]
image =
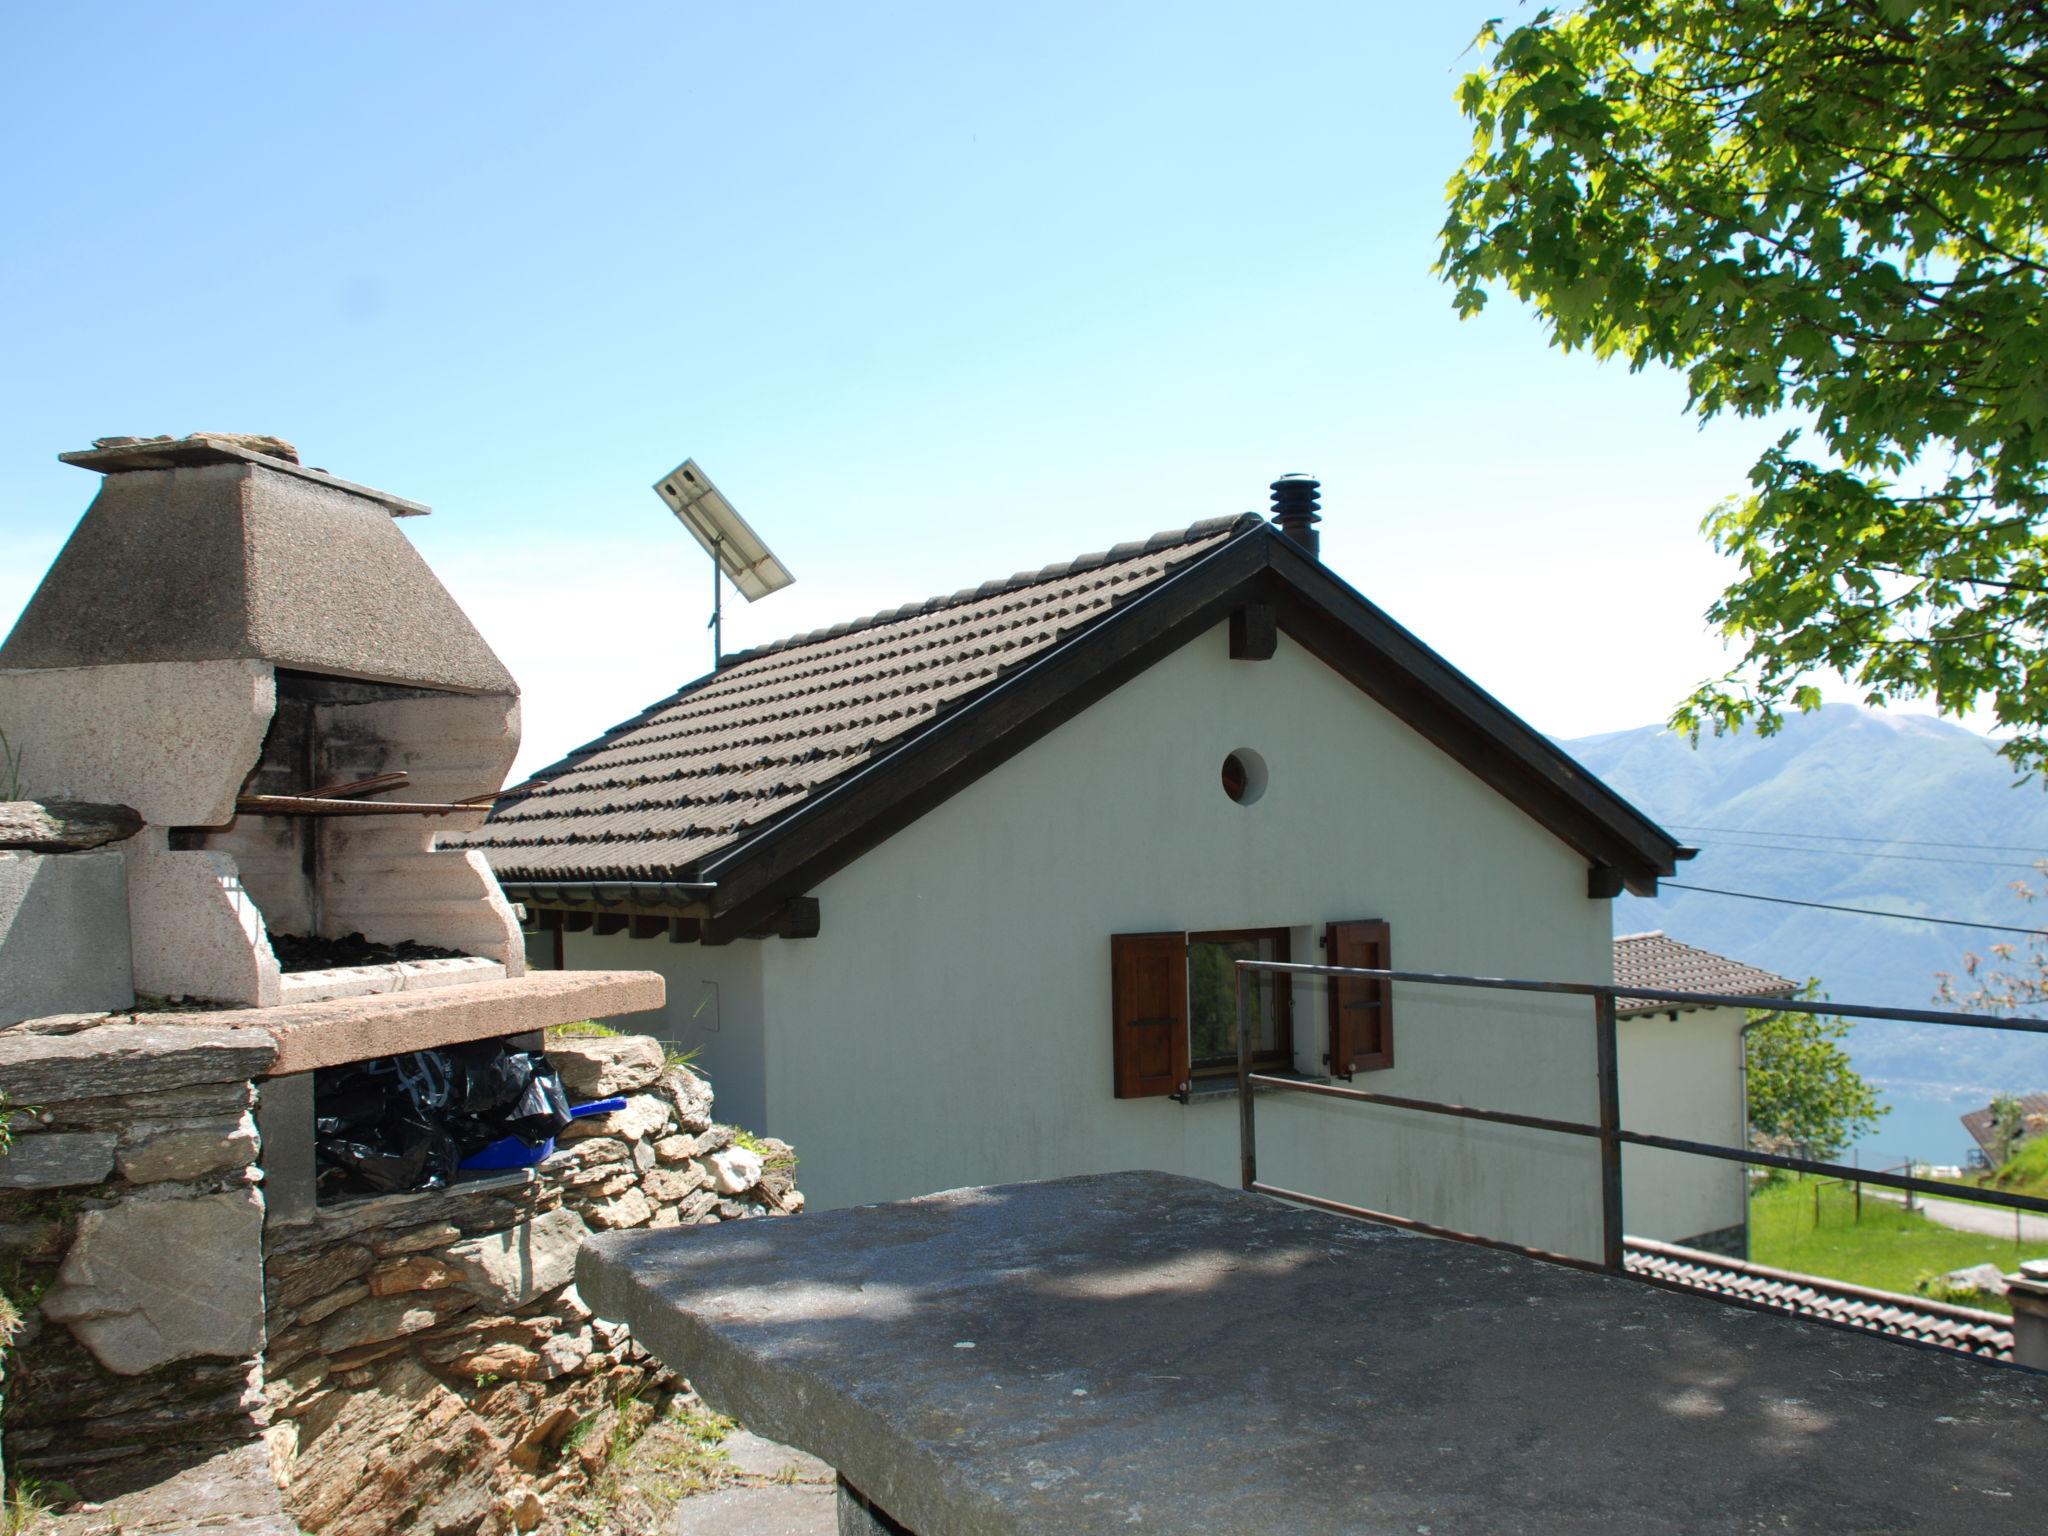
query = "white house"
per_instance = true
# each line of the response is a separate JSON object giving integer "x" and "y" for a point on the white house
{"x": 947, "y": 895}
{"x": 1682, "y": 1075}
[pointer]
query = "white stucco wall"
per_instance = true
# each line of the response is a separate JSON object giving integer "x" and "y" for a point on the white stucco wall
{"x": 951, "y": 1024}
{"x": 1682, "y": 1077}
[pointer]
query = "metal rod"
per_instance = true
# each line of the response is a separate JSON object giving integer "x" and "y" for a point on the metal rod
{"x": 1660, "y": 995}
{"x": 717, "y": 608}
{"x": 1607, "y": 1068}
{"x": 1433, "y": 1230}
{"x": 1247, "y": 1132}
{"x": 1844, "y": 1171}
{"x": 1428, "y": 1106}
{"x": 309, "y": 805}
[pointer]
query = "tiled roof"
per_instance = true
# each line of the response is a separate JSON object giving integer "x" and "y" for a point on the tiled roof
{"x": 1659, "y": 961}
{"x": 714, "y": 762}
{"x": 2033, "y": 1111}
{"x": 1964, "y": 1329}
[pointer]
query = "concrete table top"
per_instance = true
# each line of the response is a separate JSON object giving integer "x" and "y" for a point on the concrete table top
{"x": 1139, "y": 1351}
{"x": 344, "y": 1029}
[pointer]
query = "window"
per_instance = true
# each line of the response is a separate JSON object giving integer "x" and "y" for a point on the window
{"x": 1244, "y": 776}
{"x": 1174, "y": 1007}
{"x": 1173, "y": 1011}
{"x": 1212, "y": 999}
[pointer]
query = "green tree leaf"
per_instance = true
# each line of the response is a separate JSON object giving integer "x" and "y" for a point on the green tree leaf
{"x": 1829, "y": 208}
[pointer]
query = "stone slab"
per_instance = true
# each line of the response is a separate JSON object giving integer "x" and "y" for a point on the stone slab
{"x": 63, "y": 934}
{"x": 375, "y": 980}
{"x": 1145, "y": 1350}
{"x": 232, "y": 1494}
{"x": 796, "y": 1510}
{"x": 58, "y": 1160}
{"x": 148, "y": 1282}
{"x": 343, "y": 1029}
{"x": 126, "y": 1056}
{"x": 752, "y": 1456}
{"x": 509, "y": 1269}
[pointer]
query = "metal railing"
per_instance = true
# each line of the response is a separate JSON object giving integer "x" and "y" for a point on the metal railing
{"x": 1609, "y": 1132}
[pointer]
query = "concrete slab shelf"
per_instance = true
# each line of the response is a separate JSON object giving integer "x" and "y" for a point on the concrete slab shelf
{"x": 1140, "y": 1350}
{"x": 344, "y": 1029}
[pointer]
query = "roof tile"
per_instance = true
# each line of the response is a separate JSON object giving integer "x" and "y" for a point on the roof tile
{"x": 693, "y": 773}
{"x": 1964, "y": 1329}
{"x": 1658, "y": 961}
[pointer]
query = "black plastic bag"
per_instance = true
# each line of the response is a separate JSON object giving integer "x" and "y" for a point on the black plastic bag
{"x": 406, "y": 1122}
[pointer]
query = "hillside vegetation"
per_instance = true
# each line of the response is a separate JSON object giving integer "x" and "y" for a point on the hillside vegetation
{"x": 1904, "y": 813}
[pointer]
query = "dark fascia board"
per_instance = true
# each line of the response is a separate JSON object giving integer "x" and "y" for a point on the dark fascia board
{"x": 1327, "y": 617}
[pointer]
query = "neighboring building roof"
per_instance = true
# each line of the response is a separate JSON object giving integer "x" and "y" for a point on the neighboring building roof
{"x": 792, "y": 759}
{"x": 1964, "y": 1329}
{"x": 2033, "y": 1111}
{"x": 1656, "y": 960}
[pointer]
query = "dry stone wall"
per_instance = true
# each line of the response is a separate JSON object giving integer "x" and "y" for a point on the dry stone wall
{"x": 431, "y": 1367}
{"x": 412, "y": 1363}
{"x": 131, "y": 1221}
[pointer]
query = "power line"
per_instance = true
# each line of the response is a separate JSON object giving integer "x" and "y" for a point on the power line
{"x": 1860, "y": 853}
{"x": 1844, "y": 837}
{"x": 1824, "y": 906}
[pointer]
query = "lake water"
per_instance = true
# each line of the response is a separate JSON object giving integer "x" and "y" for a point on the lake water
{"x": 1923, "y": 1126}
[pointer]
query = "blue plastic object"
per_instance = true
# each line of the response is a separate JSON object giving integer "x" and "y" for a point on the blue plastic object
{"x": 513, "y": 1152}
{"x": 507, "y": 1152}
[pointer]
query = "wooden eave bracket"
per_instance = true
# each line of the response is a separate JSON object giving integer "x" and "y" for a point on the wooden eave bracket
{"x": 796, "y": 918}
{"x": 1254, "y": 632}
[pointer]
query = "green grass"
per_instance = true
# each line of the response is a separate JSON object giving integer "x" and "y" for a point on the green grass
{"x": 1890, "y": 1249}
{"x": 582, "y": 1027}
{"x": 2024, "y": 1173}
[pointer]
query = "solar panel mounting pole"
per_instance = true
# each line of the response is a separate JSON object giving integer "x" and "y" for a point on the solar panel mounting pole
{"x": 717, "y": 624}
{"x": 736, "y": 551}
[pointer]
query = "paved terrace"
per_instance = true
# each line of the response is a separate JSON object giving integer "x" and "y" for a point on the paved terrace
{"x": 1142, "y": 1351}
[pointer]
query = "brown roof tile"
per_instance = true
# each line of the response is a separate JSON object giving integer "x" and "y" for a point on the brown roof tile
{"x": 1964, "y": 1329}
{"x": 725, "y": 755}
{"x": 1658, "y": 961}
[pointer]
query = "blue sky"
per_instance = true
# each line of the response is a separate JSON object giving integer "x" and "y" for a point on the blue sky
{"x": 935, "y": 293}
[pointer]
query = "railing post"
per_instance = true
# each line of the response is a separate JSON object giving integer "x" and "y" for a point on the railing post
{"x": 1608, "y": 1066}
{"x": 1247, "y": 1142}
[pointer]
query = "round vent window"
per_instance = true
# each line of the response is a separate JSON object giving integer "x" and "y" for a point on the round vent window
{"x": 1244, "y": 776}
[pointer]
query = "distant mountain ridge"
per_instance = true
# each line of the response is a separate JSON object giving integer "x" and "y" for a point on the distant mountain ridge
{"x": 1904, "y": 813}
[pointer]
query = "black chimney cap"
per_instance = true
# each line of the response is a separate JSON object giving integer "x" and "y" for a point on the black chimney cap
{"x": 1295, "y": 499}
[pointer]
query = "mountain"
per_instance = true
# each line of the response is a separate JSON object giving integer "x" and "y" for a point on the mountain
{"x": 1904, "y": 813}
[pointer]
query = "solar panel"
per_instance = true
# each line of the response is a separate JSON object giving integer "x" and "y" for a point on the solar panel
{"x": 703, "y": 509}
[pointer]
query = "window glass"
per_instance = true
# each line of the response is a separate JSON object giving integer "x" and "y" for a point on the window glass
{"x": 1212, "y": 996}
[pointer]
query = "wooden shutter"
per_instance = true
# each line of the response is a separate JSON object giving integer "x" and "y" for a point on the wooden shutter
{"x": 1149, "y": 986}
{"x": 1361, "y": 1011}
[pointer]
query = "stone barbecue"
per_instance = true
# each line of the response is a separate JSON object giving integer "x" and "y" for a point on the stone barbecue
{"x": 236, "y": 719}
{"x": 253, "y": 657}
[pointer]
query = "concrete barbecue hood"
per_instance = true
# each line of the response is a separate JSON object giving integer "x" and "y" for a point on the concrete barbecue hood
{"x": 252, "y": 656}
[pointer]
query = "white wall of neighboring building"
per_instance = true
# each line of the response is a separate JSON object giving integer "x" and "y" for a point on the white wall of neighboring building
{"x": 959, "y": 993}
{"x": 1682, "y": 1077}
{"x": 713, "y": 1010}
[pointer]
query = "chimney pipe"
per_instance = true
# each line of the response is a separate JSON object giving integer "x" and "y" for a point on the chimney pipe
{"x": 1295, "y": 499}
